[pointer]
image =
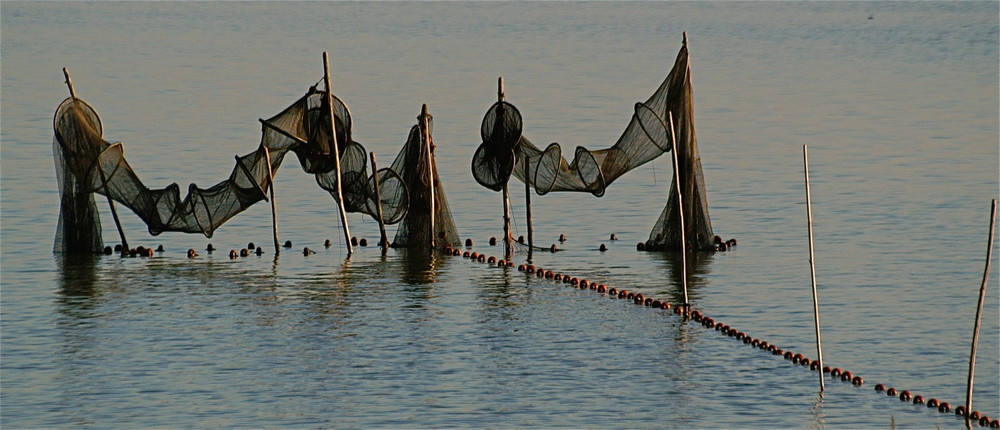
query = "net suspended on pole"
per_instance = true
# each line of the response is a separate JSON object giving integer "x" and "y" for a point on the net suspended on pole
{"x": 416, "y": 170}
{"x": 505, "y": 152}
{"x": 86, "y": 164}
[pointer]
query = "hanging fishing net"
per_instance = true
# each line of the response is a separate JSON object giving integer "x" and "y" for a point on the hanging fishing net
{"x": 505, "y": 152}
{"x": 86, "y": 164}
{"x": 417, "y": 167}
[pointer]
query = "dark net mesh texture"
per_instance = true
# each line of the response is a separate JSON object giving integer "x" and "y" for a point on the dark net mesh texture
{"x": 665, "y": 234}
{"x": 79, "y": 228}
{"x": 417, "y": 167}
{"x": 86, "y": 164}
{"x": 505, "y": 151}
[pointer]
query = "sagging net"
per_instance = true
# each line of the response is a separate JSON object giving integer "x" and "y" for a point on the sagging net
{"x": 87, "y": 164}
{"x": 505, "y": 152}
{"x": 417, "y": 167}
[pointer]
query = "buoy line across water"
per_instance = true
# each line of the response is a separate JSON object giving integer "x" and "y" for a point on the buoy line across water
{"x": 975, "y": 417}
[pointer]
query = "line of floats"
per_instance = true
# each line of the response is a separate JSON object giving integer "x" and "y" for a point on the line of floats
{"x": 686, "y": 312}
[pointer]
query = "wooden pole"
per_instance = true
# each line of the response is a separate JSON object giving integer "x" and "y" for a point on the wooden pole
{"x": 274, "y": 204}
{"x": 812, "y": 268}
{"x": 979, "y": 309}
{"x": 527, "y": 207}
{"x": 425, "y": 135}
{"x": 104, "y": 179}
{"x": 384, "y": 241}
{"x": 508, "y": 238}
{"x": 680, "y": 212}
{"x": 336, "y": 151}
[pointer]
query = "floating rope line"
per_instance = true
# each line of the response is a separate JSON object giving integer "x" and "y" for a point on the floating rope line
{"x": 975, "y": 417}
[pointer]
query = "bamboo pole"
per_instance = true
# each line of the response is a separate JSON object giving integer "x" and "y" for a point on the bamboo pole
{"x": 384, "y": 241}
{"x": 425, "y": 135}
{"x": 979, "y": 310}
{"x": 508, "y": 238}
{"x": 680, "y": 212}
{"x": 527, "y": 207}
{"x": 336, "y": 151}
{"x": 104, "y": 179}
{"x": 812, "y": 268}
{"x": 274, "y": 204}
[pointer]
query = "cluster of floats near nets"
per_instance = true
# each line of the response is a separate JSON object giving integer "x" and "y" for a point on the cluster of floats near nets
{"x": 686, "y": 312}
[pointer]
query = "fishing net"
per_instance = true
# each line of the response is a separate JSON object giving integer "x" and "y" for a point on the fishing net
{"x": 505, "y": 152}
{"x": 417, "y": 167}
{"x": 86, "y": 164}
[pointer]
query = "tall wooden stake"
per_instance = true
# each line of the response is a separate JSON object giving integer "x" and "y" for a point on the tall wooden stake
{"x": 384, "y": 241}
{"x": 425, "y": 135}
{"x": 104, "y": 179}
{"x": 979, "y": 309}
{"x": 812, "y": 267}
{"x": 680, "y": 211}
{"x": 274, "y": 205}
{"x": 336, "y": 151}
{"x": 527, "y": 208}
{"x": 508, "y": 238}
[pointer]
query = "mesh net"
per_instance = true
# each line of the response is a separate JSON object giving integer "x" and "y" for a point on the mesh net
{"x": 505, "y": 152}
{"x": 417, "y": 167}
{"x": 86, "y": 164}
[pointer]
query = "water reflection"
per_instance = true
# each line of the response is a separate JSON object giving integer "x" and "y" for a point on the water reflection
{"x": 699, "y": 265}
{"x": 420, "y": 266}
{"x": 77, "y": 274}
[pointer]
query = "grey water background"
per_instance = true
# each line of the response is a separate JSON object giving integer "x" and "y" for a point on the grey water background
{"x": 898, "y": 102}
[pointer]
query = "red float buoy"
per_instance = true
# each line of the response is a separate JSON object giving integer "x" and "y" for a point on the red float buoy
{"x": 456, "y": 252}
{"x": 932, "y": 403}
{"x": 622, "y": 294}
{"x": 482, "y": 258}
{"x": 584, "y": 283}
{"x": 960, "y": 411}
{"x": 557, "y": 277}
{"x": 878, "y": 387}
{"x": 944, "y": 407}
{"x": 602, "y": 288}
{"x": 858, "y": 381}
{"x": 466, "y": 254}
{"x": 806, "y": 362}
{"x": 613, "y": 292}
{"x": 521, "y": 267}
{"x": 891, "y": 391}
{"x": 918, "y": 400}
{"x": 905, "y": 396}
{"x": 492, "y": 260}
{"x": 846, "y": 376}
{"x": 827, "y": 369}
{"x": 677, "y": 310}
{"x": 665, "y": 305}
{"x": 640, "y": 246}
{"x": 648, "y": 301}
{"x": 974, "y": 416}
{"x": 815, "y": 365}
{"x": 835, "y": 372}
{"x": 777, "y": 351}
{"x": 984, "y": 420}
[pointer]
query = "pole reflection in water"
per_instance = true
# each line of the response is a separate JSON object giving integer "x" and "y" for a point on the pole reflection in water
{"x": 699, "y": 265}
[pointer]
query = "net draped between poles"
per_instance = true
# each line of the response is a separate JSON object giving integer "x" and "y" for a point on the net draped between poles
{"x": 87, "y": 164}
{"x": 505, "y": 151}
{"x": 412, "y": 166}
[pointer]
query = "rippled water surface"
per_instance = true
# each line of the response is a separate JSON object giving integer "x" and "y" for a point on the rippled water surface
{"x": 898, "y": 103}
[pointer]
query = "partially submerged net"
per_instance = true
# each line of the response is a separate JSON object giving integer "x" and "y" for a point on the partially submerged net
{"x": 417, "y": 167}
{"x": 87, "y": 164}
{"x": 665, "y": 234}
{"x": 505, "y": 152}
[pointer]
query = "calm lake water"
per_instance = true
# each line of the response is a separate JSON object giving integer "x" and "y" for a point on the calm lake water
{"x": 898, "y": 102}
